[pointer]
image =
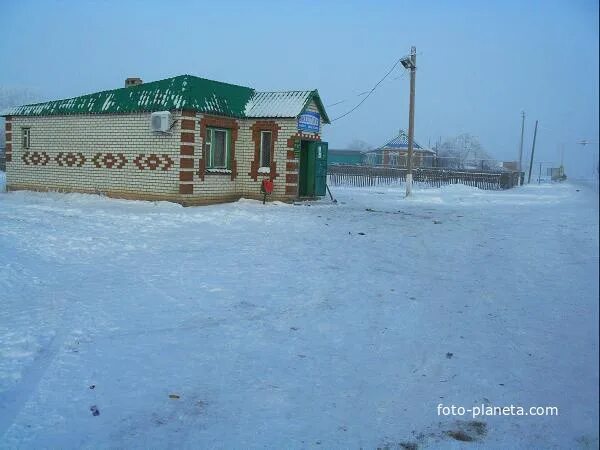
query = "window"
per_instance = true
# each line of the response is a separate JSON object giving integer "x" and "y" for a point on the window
{"x": 265, "y": 149}
{"x": 26, "y": 133}
{"x": 217, "y": 148}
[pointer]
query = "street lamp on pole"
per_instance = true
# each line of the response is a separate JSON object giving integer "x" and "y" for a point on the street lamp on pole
{"x": 410, "y": 63}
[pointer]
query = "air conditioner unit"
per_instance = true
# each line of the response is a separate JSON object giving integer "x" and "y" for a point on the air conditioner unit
{"x": 160, "y": 121}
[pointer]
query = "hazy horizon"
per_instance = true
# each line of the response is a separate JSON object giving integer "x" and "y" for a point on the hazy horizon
{"x": 479, "y": 65}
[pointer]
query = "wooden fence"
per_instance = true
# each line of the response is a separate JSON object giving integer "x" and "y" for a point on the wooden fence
{"x": 361, "y": 176}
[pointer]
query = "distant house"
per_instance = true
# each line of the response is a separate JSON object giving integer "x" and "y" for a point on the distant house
{"x": 395, "y": 151}
{"x": 353, "y": 157}
{"x": 183, "y": 139}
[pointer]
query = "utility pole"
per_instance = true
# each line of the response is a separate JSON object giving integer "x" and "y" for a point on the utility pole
{"x": 521, "y": 146}
{"x": 532, "y": 151}
{"x": 410, "y": 63}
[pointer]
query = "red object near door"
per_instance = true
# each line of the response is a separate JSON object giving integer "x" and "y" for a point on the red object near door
{"x": 267, "y": 186}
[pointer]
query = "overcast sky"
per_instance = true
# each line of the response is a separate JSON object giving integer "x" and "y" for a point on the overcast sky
{"x": 479, "y": 63}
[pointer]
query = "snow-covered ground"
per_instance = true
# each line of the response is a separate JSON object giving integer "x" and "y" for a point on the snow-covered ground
{"x": 310, "y": 326}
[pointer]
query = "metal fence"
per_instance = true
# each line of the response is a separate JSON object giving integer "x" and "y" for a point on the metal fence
{"x": 362, "y": 176}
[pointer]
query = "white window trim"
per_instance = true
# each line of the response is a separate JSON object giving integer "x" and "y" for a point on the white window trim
{"x": 261, "y": 150}
{"x": 217, "y": 170}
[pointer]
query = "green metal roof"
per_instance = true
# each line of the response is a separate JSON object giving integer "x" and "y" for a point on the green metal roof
{"x": 181, "y": 92}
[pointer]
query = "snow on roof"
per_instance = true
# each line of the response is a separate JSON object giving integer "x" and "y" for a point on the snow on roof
{"x": 282, "y": 104}
{"x": 400, "y": 142}
{"x": 277, "y": 104}
{"x": 182, "y": 92}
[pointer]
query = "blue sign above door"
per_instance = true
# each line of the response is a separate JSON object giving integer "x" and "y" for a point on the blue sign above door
{"x": 309, "y": 121}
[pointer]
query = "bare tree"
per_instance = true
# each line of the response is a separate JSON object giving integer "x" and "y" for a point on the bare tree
{"x": 463, "y": 151}
{"x": 358, "y": 144}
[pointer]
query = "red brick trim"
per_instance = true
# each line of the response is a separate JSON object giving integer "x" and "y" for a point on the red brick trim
{"x": 291, "y": 178}
{"x": 153, "y": 162}
{"x": 291, "y": 154}
{"x": 291, "y": 166}
{"x": 8, "y": 145}
{"x": 186, "y": 163}
{"x": 291, "y": 190}
{"x": 186, "y": 150}
{"x": 187, "y": 137}
{"x": 218, "y": 122}
{"x": 202, "y": 167}
{"x": 188, "y": 124}
{"x": 36, "y": 158}
{"x": 186, "y": 176}
{"x": 186, "y": 188}
{"x": 256, "y": 128}
{"x": 302, "y": 136}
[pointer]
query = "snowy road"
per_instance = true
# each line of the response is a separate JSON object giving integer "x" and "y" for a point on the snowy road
{"x": 283, "y": 326}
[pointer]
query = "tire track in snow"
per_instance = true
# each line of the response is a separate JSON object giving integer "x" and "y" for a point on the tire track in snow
{"x": 14, "y": 400}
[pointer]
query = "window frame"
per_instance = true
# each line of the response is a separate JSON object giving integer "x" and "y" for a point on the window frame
{"x": 261, "y": 151}
{"x": 209, "y": 141}
{"x": 26, "y": 138}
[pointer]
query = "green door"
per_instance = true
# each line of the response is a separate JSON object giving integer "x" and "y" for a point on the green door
{"x": 321, "y": 168}
{"x": 307, "y": 169}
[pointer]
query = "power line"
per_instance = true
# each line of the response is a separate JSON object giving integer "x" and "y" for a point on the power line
{"x": 361, "y": 93}
{"x": 370, "y": 92}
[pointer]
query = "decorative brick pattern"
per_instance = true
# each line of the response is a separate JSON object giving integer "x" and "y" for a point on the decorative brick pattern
{"x": 70, "y": 159}
{"x": 129, "y": 135}
{"x": 302, "y": 136}
{"x": 188, "y": 141}
{"x": 109, "y": 160}
{"x": 256, "y": 128}
{"x": 35, "y": 158}
{"x": 126, "y": 134}
{"x": 153, "y": 162}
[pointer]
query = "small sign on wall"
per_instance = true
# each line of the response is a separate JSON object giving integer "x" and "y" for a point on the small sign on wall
{"x": 309, "y": 121}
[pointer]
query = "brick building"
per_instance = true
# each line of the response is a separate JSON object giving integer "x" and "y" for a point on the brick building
{"x": 395, "y": 153}
{"x": 184, "y": 139}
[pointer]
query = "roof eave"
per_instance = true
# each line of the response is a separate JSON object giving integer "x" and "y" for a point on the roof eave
{"x": 314, "y": 95}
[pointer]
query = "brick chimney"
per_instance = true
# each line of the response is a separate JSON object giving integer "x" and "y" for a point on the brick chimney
{"x": 133, "y": 82}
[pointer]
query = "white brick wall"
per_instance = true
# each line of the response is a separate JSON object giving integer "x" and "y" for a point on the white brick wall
{"x": 130, "y": 135}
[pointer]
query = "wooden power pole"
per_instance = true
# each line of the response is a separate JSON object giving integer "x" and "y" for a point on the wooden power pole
{"x": 411, "y": 117}
{"x": 532, "y": 151}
